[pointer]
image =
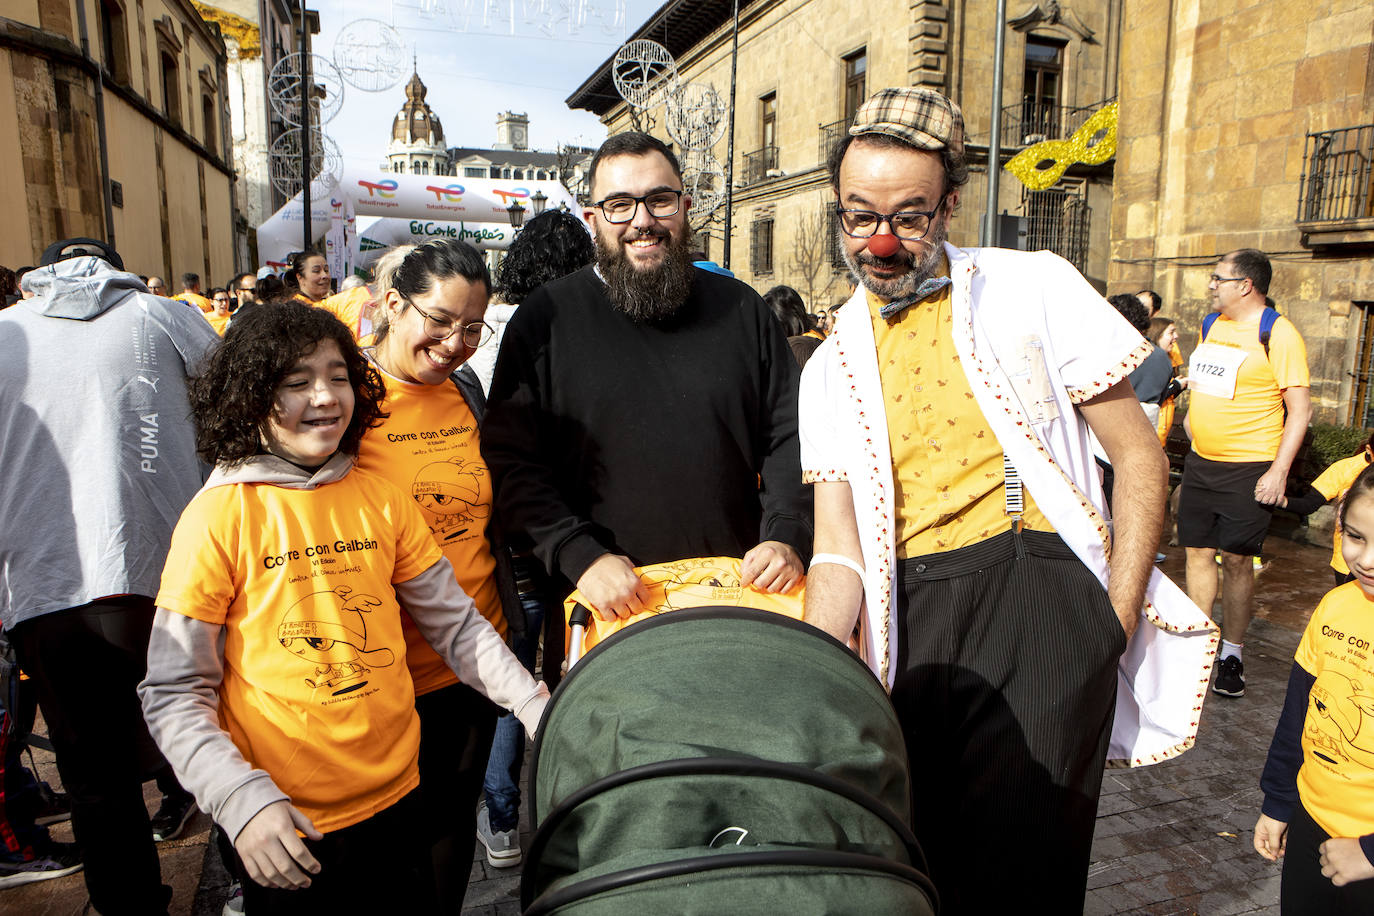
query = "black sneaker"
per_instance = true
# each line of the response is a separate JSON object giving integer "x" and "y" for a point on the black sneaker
{"x": 172, "y": 816}
{"x": 54, "y": 807}
{"x": 1230, "y": 680}
{"x": 56, "y": 860}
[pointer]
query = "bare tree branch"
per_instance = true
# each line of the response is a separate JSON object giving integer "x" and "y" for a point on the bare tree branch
{"x": 810, "y": 257}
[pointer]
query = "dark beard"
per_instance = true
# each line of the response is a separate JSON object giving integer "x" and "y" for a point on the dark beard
{"x": 652, "y": 295}
{"x": 918, "y": 271}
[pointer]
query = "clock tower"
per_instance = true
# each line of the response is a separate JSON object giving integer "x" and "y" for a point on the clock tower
{"x": 512, "y": 131}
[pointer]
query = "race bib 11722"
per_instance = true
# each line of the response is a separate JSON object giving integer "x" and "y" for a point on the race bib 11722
{"x": 1213, "y": 369}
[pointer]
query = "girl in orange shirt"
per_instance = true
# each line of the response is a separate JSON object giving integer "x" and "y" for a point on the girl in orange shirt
{"x": 278, "y": 685}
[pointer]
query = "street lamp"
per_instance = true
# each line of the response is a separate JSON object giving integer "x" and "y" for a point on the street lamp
{"x": 516, "y": 214}
{"x": 540, "y": 199}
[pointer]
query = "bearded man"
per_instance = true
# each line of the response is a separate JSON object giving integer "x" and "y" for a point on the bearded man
{"x": 960, "y": 522}
{"x": 643, "y": 411}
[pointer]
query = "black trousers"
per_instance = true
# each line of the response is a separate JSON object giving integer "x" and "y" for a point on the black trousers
{"x": 456, "y": 728}
{"x": 1005, "y": 689}
{"x": 376, "y": 866}
{"x": 1305, "y": 890}
{"x": 86, "y": 663}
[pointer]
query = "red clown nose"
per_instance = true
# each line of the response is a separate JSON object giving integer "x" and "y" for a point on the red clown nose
{"x": 883, "y": 246}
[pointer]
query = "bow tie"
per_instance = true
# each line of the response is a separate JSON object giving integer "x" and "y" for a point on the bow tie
{"x": 929, "y": 287}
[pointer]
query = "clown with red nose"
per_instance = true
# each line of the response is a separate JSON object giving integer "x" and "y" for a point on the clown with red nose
{"x": 893, "y": 215}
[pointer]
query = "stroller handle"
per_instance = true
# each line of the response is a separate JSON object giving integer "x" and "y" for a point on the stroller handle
{"x": 578, "y": 620}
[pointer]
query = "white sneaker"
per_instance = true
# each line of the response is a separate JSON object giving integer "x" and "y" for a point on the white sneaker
{"x": 234, "y": 905}
{"x": 502, "y": 846}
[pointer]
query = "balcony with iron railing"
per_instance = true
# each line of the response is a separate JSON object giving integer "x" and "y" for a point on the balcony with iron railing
{"x": 1336, "y": 193}
{"x": 1034, "y": 120}
{"x": 830, "y": 135}
{"x": 760, "y": 165}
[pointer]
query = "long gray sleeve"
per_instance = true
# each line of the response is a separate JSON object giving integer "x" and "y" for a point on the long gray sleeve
{"x": 181, "y": 705}
{"x": 450, "y": 622}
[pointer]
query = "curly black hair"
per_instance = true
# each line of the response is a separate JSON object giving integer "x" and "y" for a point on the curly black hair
{"x": 1133, "y": 310}
{"x": 233, "y": 393}
{"x": 552, "y": 245}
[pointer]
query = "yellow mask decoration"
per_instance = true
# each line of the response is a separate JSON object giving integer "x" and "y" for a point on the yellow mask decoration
{"x": 1057, "y": 155}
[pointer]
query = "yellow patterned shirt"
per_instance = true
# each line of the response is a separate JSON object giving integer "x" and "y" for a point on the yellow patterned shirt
{"x": 946, "y": 462}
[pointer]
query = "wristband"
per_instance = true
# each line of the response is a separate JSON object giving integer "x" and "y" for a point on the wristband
{"x": 836, "y": 559}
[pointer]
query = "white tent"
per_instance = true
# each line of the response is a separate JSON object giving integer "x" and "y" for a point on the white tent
{"x": 389, "y": 209}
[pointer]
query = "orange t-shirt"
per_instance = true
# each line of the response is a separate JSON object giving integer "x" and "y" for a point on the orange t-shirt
{"x": 699, "y": 582}
{"x": 428, "y": 448}
{"x": 316, "y": 691}
{"x": 1332, "y": 483}
{"x": 1336, "y": 780}
{"x": 350, "y": 307}
{"x": 219, "y": 322}
{"x": 1249, "y": 425}
{"x": 199, "y": 301}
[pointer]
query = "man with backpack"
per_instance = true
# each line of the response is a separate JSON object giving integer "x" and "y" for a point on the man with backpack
{"x": 1250, "y": 407}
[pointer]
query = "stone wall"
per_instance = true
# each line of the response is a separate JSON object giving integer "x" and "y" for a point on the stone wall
{"x": 1217, "y": 100}
{"x": 170, "y": 196}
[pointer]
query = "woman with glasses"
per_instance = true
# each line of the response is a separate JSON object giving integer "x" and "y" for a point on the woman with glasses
{"x": 430, "y": 303}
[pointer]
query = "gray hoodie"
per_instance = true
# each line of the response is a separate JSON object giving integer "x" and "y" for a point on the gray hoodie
{"x": 186, "y": 665}
{"x": 97, "y": 449}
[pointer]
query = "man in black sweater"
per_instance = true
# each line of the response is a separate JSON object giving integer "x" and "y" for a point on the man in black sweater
{"x": 644, "y": 411}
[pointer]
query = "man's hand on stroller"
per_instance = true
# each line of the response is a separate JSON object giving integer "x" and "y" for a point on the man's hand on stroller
{"x": 612, "y": 588}
{"x": 772, "y": 566}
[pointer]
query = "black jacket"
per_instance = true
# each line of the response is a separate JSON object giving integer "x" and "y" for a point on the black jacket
{"x": 655, "y": 441}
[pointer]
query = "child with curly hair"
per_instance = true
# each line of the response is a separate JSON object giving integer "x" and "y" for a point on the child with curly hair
{"x": 277, "y": 681}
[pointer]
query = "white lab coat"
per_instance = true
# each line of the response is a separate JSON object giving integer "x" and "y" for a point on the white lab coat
{"x": 1034, "y": 340}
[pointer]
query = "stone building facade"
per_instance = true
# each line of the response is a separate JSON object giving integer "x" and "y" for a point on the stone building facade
{"x": 257, "y": 34}
{"x": 1251, "y": 125}
{"x": 119, "y": 127}
{"x": 804, "y": 67}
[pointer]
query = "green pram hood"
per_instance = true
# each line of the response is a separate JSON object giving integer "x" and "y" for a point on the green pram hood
{"x": 709, "y": 757}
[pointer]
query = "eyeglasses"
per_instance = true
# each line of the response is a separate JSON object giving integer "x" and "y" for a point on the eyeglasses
{"x": 474, "y": 334}
{"x": 1215, "y": 280}
{"x": 909, "y": 225}
{"x": 621, "y": 208}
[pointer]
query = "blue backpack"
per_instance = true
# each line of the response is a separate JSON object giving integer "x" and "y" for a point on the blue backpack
{"x": 1266, "y": 328}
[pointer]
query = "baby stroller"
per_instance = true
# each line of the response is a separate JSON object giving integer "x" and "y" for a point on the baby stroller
{"x": 721, "y": 760}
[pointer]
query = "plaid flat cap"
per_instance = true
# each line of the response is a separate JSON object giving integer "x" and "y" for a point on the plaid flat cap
{"x": 922, "y": 117}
